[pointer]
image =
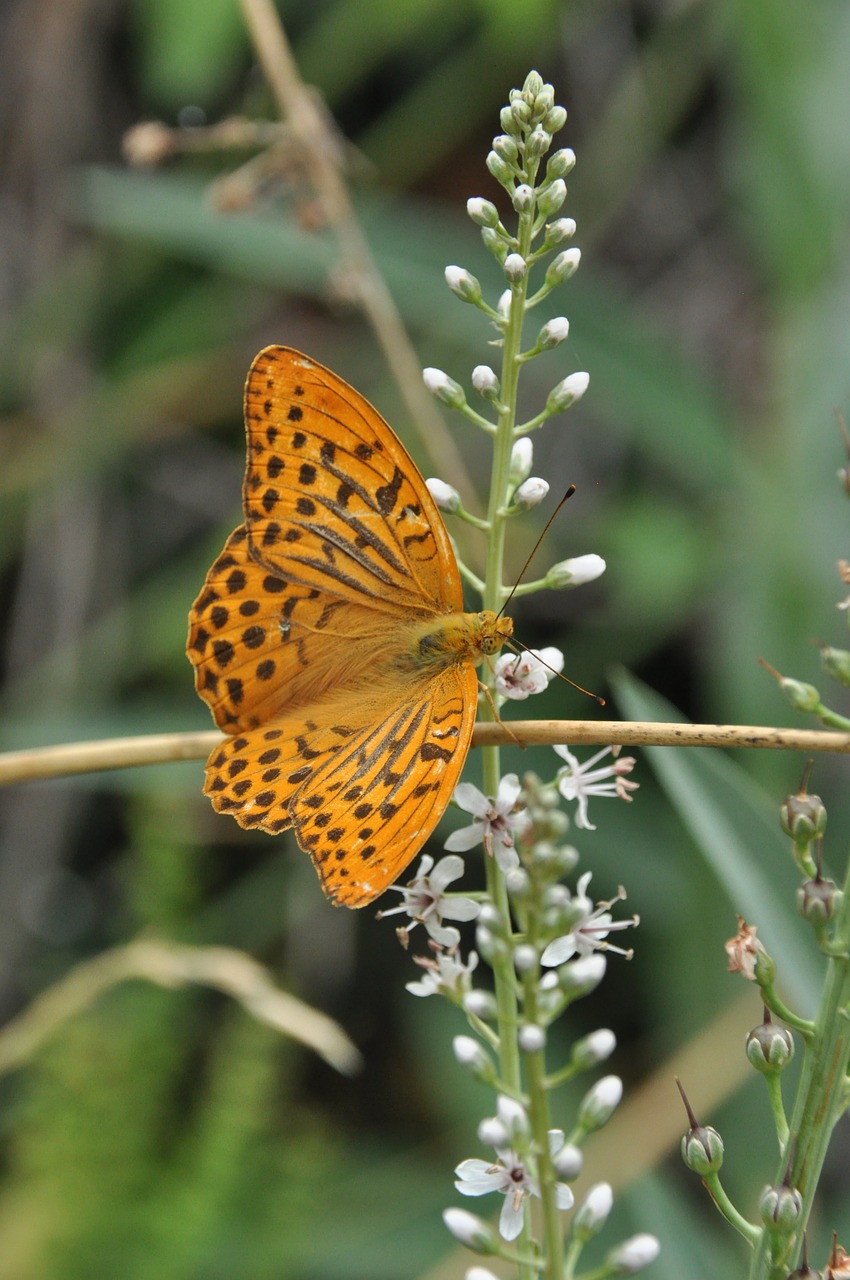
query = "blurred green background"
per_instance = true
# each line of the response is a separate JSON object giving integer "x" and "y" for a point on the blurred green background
{"x": 165, "y": 1133}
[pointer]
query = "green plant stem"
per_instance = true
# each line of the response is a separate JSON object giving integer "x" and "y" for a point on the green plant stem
{"x": 774, "y": 1089}
{"x": 821, "y": 1097}
{"x": 748, "y": 1230}
{"x": 511, "y": 1067}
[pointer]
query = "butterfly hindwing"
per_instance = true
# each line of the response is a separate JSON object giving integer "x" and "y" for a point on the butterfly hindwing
{"x": 362, "y": 786}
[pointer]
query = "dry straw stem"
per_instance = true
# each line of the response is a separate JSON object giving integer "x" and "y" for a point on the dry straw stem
{"x": 313, "y": 134}
{"x": 172, "y": 965}
{"x": 162, "y": 748}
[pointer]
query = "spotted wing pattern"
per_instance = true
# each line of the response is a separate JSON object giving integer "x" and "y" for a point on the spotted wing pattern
{"x": 362, "y": 785}
{"x": 297, "y": 636}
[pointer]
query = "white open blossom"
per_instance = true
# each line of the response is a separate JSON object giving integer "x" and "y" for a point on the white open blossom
{"x": 591, "y": 930}
{"x": 424, "y": 899}
{"x": 509, "y": 1175}
{"x": 445, "y": 974}
{"x": 496, "y": 822}
{"x": 579, "y": 780}
{"x": 519, "y": 675}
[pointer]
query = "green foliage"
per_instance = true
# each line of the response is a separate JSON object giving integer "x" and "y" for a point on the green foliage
{"x": 164, "y": 1133}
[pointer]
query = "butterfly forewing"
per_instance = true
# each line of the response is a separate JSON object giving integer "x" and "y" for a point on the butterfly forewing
{"x": 331, "y": 498}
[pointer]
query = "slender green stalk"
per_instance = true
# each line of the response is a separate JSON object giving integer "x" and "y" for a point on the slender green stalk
{"x": 821, "y": 1098}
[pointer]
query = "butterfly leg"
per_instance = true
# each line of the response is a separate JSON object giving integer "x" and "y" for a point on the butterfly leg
{"x": 485, "y": 689}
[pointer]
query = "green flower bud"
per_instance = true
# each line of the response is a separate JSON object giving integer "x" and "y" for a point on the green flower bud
{"x": 769, "y": 1047}
{"x": 780, "y": 1208}
{"x": 803, "y": 817}
{"x": 472, "y": 1231}
{"x": 554, "y": 120}
{"x": 533, "y": 85}
{"x": 508, "y": 120}
{"x": 803, "y": 697}
{"x": 521, "y": 112}
{"x": 836, "y": 663}
{"x": 463, "y": 284}
{"x": 494, "y": 243}
{"x": 444, "y": 388}
{"x": 523, "y": 197}
{"x": 702, "y": 1150}
{"x": 560, "y": 163}
{"x": 485, "y": 382}
{"x": 515, "y": 267}
{"x": 562, "y": 267}
{"x": 817, "y": 900}
{"x": 544, "y": 99}
{"x": 482, "y": 212}
{"x": 506, "y": 148}
{"x": 567, "y": 392}
{"x": 552, "y": 197}
{"x": 474, "y": 1059}
{"x": 558, "y": 231}
{"x": 599, "y": 1103}
{"x": 537, "y": 143}
{"x": 502, "y": 172}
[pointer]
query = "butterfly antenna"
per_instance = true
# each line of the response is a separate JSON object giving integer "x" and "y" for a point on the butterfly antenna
{"x": 533, "y": 552}
{"x": 518, "y": 648}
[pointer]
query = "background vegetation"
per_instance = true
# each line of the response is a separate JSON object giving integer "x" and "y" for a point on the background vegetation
{"x": 165, "y": 1133}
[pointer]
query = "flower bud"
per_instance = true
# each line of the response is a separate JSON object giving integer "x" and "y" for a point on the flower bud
{"x": 505, "y": 146}
{"x": 600, "y": 1102}
{"x": 444, "y": 388}
{"x": 481, "y": 1004}
{"x": 463, "y": 284}
{"x": 803, "y": 817}
{"x": 521, "y": 111}
{"x": 531, "y": 492}
{"x": 508, "y": 120}
{"x": 531, "y": 1038}
{"x": 576, "y": 571}
{"x": 537, "y": 143}
{"x": 479, "y": 1273}
{"x": 518, "y": 884}
{"x": 553, "y": 333}
{"x": 523, "y": 197}
{"x": 482, "y": 212}
{"x": 525, "y": 957}
{"x": 568, "y": 1162}
{"x": 471, "y": 1231}
{"x": 550, "y": 200}
{"x": 567, "y": 392}
{"x": 578, "y": 978}
{"x": 555, "y": 119}
{"x": 544, "y": 97}
{"x": 485, "y": 382}
{"x": 562, "y": 266}
{"x": 492, "y": 1133}
{"x": 802, "y": 696}
{"x": 769, "y": 1047}
{"x": 560, "y": 163}
{"x": 836, "y": 663}
{"x": 558, "y": 231}
{"x": 593, "y": 1049}
{"x": 702, "y": 1150}
{"x": 780, "y": 1208}
{"x": 632, "y": 1255}
{"x": 591, "y": 1215}
{"x": 817, "y": 900}
{"x": 522, "y": 455}
{"x": 494, "y": 243}
{"x": 493, "y": 949}
{"x": 503, "y": 173}
{"x": 445, "y": 495}
{"x": 515, "y": 267}
{"x": 474, "y": 1059}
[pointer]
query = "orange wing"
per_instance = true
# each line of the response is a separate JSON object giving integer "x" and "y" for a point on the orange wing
{"x": 363, "y": 781}
{"x": 332, "y": 500}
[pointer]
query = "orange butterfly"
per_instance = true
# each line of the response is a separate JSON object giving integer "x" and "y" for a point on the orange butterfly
{"x": 329, "y": 639}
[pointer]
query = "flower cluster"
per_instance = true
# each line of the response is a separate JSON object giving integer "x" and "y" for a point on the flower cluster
{"x": 539, "y": 945}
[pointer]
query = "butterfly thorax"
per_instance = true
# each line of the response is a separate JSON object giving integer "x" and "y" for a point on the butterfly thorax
{"x": 454, "y": 638}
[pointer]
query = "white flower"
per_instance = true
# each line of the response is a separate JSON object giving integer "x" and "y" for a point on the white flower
{"x": 519, "y": 675}
{"x": 579, "y": 780}
{"x": 576, "y": 571}
{"x": 445, "y": 974}
{"x": 425, "y": 902}
{"x": 531, "y": 492}
{"x": 445, "y": 495}
{"x": 509, "y": 1175}
{"x": 633, "y": 1254}
{"x": 485, "y": 381}
{"x": 495, "y": 822}
{"x": 590, "y": 932}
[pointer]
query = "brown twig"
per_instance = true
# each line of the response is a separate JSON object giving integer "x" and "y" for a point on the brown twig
{"x": 162, "y": 748}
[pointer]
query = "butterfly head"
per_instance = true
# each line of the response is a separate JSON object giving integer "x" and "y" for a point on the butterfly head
{"x": 495, "y": 630}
